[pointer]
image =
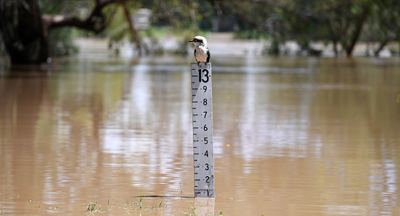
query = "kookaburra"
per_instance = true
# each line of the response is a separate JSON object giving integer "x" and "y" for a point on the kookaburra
{"x": 201, "y": 52}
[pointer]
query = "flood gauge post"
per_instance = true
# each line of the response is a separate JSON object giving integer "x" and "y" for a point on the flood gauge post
{"x": 202, "y": 120}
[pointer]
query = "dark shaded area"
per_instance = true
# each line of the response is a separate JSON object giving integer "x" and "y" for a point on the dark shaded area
{"x": 22, "y": 30}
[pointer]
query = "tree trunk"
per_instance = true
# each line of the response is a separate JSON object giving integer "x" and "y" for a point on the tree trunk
{"x": 132, "y": 28}
{"x": 333, "y": 38}
{"x": 357, "y": 33}
{"x": 24, "y": 39}
{"x": 381, "y": 46}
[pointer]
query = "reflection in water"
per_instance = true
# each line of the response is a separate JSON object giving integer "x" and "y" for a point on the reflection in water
{"x": 293, "y": 136}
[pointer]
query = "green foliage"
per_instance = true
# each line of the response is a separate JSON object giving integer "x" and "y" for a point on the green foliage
{"x": 169, "y": 18}
{"x": 341, "y": 21}
{"x": 61, "y": 42}
{"x": 272, "y": 49}
{"x": 394, "y": 51}
{"x": 78, "y": 8}
{"x": 381, "y": 26}
{"x": 250, "y": 34}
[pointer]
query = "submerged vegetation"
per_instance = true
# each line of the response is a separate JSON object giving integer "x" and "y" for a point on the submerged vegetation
{"x": 140, "y": 206}
{"x": 131, "y": 206}
{"x": 94, "y": 207}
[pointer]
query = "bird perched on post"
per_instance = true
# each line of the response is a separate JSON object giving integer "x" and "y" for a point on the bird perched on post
{"x": 201, "y": 52}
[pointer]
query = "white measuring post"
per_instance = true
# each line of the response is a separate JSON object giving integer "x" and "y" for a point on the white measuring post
{"x": 203, "y": 157}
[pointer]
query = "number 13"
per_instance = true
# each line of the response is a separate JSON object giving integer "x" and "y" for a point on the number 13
{"x": 205, "y": 75}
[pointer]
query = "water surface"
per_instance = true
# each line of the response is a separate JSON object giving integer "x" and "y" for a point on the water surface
{"x": 292, "y": 136}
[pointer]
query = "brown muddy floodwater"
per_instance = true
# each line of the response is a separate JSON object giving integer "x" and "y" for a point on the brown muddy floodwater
{"x": 292, "y": 136}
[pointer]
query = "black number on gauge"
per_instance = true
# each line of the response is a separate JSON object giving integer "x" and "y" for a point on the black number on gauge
{"x": 205, "y": 76}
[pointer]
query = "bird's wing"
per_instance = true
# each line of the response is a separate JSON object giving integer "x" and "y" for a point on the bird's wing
{"x": 195, "y": 55}
{"x": 208, "y": 56}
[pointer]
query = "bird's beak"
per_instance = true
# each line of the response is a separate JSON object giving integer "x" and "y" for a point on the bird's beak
{"x": 191, "y": 41}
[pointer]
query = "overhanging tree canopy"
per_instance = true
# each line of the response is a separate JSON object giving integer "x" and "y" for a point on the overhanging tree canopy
{"x": 26, "y": 31}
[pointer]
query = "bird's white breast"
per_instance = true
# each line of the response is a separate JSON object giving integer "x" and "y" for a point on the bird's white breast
{"x": 201, "y": 53}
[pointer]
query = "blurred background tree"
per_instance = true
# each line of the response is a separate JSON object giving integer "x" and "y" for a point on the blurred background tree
{"x": 384, "y": 25}
{"x": 25, "y": 28}
{"x": 31, "y": 29}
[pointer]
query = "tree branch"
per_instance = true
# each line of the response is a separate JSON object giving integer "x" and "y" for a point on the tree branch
{"x": 55, "y": 21}
{"x": 95, "y": 22}
{"x": 382, "y": 44}
{"x": 357, "y": 33}
{"x": 334, "y": 38}
{"x": 132, "y": 27}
